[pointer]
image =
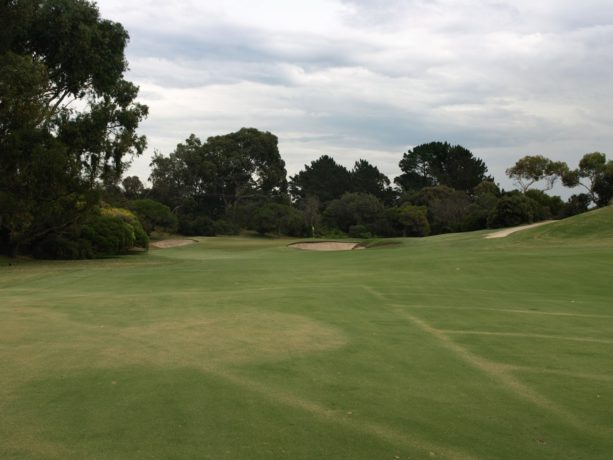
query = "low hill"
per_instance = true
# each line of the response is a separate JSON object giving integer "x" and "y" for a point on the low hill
{"x": 592, "y": 225}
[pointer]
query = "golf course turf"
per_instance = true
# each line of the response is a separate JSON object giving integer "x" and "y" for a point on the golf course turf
{"x": 454, "y": 346}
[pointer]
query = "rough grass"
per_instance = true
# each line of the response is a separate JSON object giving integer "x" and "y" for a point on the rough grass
{"x": 446, "y": 347}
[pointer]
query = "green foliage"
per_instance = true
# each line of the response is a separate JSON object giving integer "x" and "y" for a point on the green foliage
{"x": 366, "y": 178}
{"x": 69, "y": 247}
{"x": 511, "y": 210}
{"x": 108, "y": 235}
{"x": 482, "y": 204}
{"x": 278, "y": 219}
{"x": 67, "y": 117}
{"x": 439, "y": 163}
{"x": 225, "y": 227}
{"x": 547, "y": 207}
{"x": 215, "y": 177}
{"x": 133, "y": 188}
{"x": 603, "y": 186}
{"x": 354, "y": 209}
{"x": 529, "y": 170}
{"x": 595, "y": 175}
{"x": 576, "y": 204}
{"x": 408, "y": 220}
{"x": 447, "y": 207}
{"x": 154, "y": 215}
{"x": 140, "y": 237}
{"x": 323, "y": 178}
{"x": 193, "y": 225}
{"x": 359, "y": 231}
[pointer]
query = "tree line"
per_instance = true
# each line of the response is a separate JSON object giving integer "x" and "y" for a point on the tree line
{"x": 238, "y": 181}
{"x": 68, "y": 127}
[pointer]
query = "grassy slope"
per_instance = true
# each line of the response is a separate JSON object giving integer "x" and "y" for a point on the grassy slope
{"x": 447, "y": 347}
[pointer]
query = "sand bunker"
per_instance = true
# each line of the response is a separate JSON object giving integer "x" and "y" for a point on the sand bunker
{"x": 164, "y": 244}
{"x": 327, "y": 246}
{"x": 508, "y": 231}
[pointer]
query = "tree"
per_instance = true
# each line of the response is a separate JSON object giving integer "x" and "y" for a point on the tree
{"x": 595, "y": 175}
{"x": 531, "y": 169}
{"x": 245, "y": 163}
{"x": 354, "y": 209}
{"x": 439, "y": 163}
{"x": 366, "y": 178}
{"x": 154, "y": 215}
{"x": 279, "y": 219}
{"x": 214, "y": 177}
{"x": 546, "y": 206}
{"x": 324, "y": 179}
{"x": 603, "y": 186}
{"x": 576, "y": 204}
{"x": 447, "y": 208}
{"x": 408, "y": 220}
{"x": 511, "y": 210}
{"x": 483, "y": 202}
{"x": 133, "y": 188}
{"x": 68, "y": 119}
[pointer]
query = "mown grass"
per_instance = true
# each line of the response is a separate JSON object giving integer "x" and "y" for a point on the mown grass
{"x": 453, "y": 346}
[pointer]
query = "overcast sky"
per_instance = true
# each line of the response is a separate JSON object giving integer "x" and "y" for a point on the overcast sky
{"x": 370, "y": 79}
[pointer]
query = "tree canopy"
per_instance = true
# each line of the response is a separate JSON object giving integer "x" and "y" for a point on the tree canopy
{"x": 531, "y": 169}
{"x": 68, "y": 118}
{"x": 595, "y": 175}
{"x": 323, "y": 178}
{"x": 440, "y": 163}
{"x": 214, "y": 177}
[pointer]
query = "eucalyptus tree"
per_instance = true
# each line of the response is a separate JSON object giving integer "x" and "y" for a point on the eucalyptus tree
{"x": 68, "y": 118}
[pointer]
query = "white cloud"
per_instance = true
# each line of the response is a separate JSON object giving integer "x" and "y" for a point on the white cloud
{"x": 370, "y": 78}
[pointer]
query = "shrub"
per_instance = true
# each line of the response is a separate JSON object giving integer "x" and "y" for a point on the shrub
{"x": 224, "y": 227}
{"x": 576, "y": 204}
{"x": 359, "y": 231}
{"x": 62, "y": 247}
{"x": 278, "y": 218}
{"x": 154, "y": 215}
{"x": 141, "y": 239}
{"x": 511, "y": 210}
{"x": 108, "y": 235}
{"x": 196, "y": 226}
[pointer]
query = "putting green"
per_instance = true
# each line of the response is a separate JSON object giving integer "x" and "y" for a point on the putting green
{"x": 453, "y": 346}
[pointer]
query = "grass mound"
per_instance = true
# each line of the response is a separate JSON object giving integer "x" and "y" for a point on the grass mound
{"x": 593, "y": 225}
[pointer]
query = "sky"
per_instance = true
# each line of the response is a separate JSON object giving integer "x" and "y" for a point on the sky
{"x": 371, "y": 79}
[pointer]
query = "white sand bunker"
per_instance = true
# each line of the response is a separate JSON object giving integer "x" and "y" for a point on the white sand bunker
{"x": 164, "y": 244}
{"x": 507, "y": 231}
{"x": 327, "y": 246}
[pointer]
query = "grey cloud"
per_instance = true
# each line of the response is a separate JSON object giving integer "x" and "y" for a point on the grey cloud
{"x": 502, "y": 78}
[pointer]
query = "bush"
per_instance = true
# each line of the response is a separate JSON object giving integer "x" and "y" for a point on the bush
{"x": 196, "y": 226}
{"x": 354, "y": 209}
{"x": 547, "y": 207}
{"x": 141, "y": 239}
{"x": 576, "y": 204}
{"x": 108, "y": 235}
{"x": 224, "y": 227}
{"x": 61, "y": 247}
{"x": 359, "y": 231}
{"x": 154, "y": 215}
{"x": 279, "y": 219}
{"x": 111, "y": 231}
{"x": 511, "y": 210}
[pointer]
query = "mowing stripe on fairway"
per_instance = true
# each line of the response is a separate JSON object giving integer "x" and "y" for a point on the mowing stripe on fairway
{"x": 500, "y": 372}
{"x": 363, "y": 426}
{"x": 503, "y": 310}
{"x": 522, "y": 334}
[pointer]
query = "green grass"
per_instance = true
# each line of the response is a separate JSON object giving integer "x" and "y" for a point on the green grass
{"x": 452, "y": 346}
